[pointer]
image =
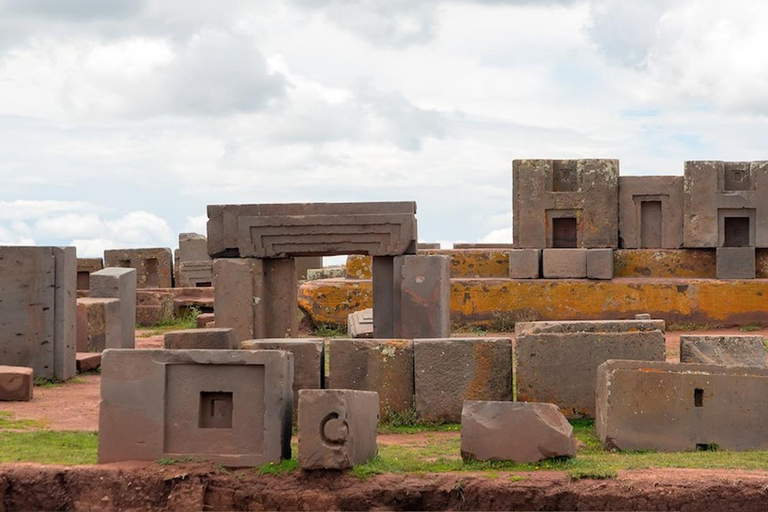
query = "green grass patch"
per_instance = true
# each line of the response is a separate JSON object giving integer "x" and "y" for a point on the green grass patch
{"x": 285, "y": 466}
{"x": 45, "y": 382}
{"x": 751, "y": 327}
{"x": 186, "y": 320}
{"x": 693, "y": 327}
{"x": 329, "y": 331}
{"x": 49, "y": 447}
{"x": 8, "y": 422}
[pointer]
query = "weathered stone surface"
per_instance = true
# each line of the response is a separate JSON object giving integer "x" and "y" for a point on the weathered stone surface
{"x": 37, "y": 317}
{"x": 665, "y": 263}
{"x": 465, "y": 263}
{"x": 515, "y": 431}
{"x": 681, "y": 406}
{"x": 560, "y": 367}
{"x": 335, "y": 272}
{"x": 195, "y": 273}
{"x": 577, "y": 326}
{"x": 88, "y": 361}
{"x": 308, "y": 360}
{"x": 600, "y": 263}
{"x": 725, "y": 350}
{"x": 99, "y": 324}
{"x": 311, "y": 229}
{"x": 16, "y": 383}
{"x": 232, "y": 407}
{"x": 428, "y": 246}
{"x": 304, "y": 264}
{"x": 360, "y": 324}
{"x": 85, "y": 267}
{"x": 525, "y": 263}
{"x": 449, "y": 371}
{"x": 643, "y": 316}
{"x": 384, "y": 296}
{"x": 422, "y": 296}
{"x": 384, "y": 366}
{"x": 564, "y": 263}
{"x": 153, "y": 307}
{"x": 735, "y": 262}
{"x": 547, "y": 191}
{"x": 154, "y": 266}
{"x": 119, "y": 283}
{"x": 480, "y": 246}
{"x": 203, "y": 319}
{"x": 651, "y": 212}
{"x": 337, "y": 428}
{"x": 193, "y": 247}
{"x": 202, "y": 339}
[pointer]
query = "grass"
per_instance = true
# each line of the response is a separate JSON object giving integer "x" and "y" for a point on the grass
{"x": 187, "y": 320}
{"x": 8, "y": 422}
{"x": 693, "y": 327}
{"x": 49, "y": 447}
{"x": 329, "y": 331}
{"x": 751, "y": 327}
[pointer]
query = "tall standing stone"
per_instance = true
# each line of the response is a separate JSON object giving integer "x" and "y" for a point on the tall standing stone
{"x": 119, "y": 283}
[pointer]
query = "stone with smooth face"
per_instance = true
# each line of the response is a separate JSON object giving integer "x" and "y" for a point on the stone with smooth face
{"x": 524, "y": 263}
{"x": 193, "y": 247}
{"x": 383, "y": 295}
{"x": 449, "y": 371}
{"x": 99, "y": 324}
{"x": 154, "y": 266}
{"x": 306, "y": 263}
{"x": 85, "y": 267}
{"x": 337, "y": 428}
{"x": 232, "y": 407}
{"x": 119, "y": 283}
{"x": 422, "y": 296}
{"x": 564, "y": 263}
{"x": 725, "y": 350}
{"x": 651, "y": 212}
{"x": 384, "y": 366}
{"x": 514, "y": 431}
{"x": 682, "y": 407}
{"x": 153, "y": 307}
{"x": 88, "y": 361}
{"x": 560, "y": 368}
{"x": 360, "y": 324}
{"x": 600, "y": 263}
{"x": 16, "y": 383}
{"x": 65, "y": 316}
{"x": 735, "y": 262}
{"x": 203, "y": 319}
{"x": 202, "y": 339}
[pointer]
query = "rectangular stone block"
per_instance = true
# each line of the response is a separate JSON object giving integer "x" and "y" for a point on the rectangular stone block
{"x": 305, "y": 264}
{"x": 232, "y": 407}
{"x": 195, "y": 273}
{"x": 651, "y": 212}
{"x": 337, "y": 428}
{"x": 119, "y": 283}
{"x": 600, "y": 263}
{"x": 154, "y": 266}
{"x": 735, "y": 262}
{"x": 203, "y": 319}
{"x": 682, "y": 407}
{"x": 200, "y": 339}
{"x": 85, "y": 267}
{"x": 311, "y": 229}
{"x": 725, "y": 350}
{"x": 384, "y": 291}
{"x": 449, "y": 371}
{"x": 422, "y": 296}
{"x": 577, "y": 326}
{"x": 561, "y": 367}
{"x": 65, "y": 316}
{"x": 565, "y": 203}
{"x": 193, "y": 247}
{"x": 88, "y": 361}
{"x": 384, "y": 366}
{"x": 308, "y": 360}
{"x": 564, "y": 263}
{"x": 99, "y": 324}
{"x": 360, "y": 324}
{"x": 16, "y": 383}
{"x": 153, "y": 307}
{"x": 525, "y": 263}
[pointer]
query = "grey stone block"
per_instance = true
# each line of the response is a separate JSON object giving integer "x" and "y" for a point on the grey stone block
{"x": 449, "y": 371}
{"x": 65, "y": 316}
{"x": 99, "y": 324}
{"x": 564, "y": 263}
{"x": 515, "y": 431}
{"x": 201, "y": 339}
{"x": 337, "y": 428}
{"x": 85, "y": 267}
{"x": 524, "y": 263}
{"x": 360, "y": 324}
{"x": 725, "y": 350}
{"x": 119, "y": 283}
{"x": 232, "y": 407}
{"x": 651, "y": 212}
{"x": 735, "y": 262}
{"x": 305, "y": 264}
{"x": 384, "y": 366}
{"x": 576, "y": 326}
{"x": 384, "y": 293}
{"x": 195, "y": 273}
{"x": 154, "y": 266}
{"x": 422, "y": 296}
{"x": 600, "y": 263}
{"x": 682, "y": 407}
{"x": 16, "y": 383}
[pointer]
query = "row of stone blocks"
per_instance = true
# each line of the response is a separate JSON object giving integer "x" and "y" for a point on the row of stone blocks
{"x": 561, "y": 263}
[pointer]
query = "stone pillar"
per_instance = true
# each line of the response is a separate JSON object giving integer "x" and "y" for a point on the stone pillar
{"x": 65, "y": 313}
{"x": 423, "y": 297}
{"x": 281, "y": 298}
{"x": 119, "y": 283}
{"x": 383, "y": 297}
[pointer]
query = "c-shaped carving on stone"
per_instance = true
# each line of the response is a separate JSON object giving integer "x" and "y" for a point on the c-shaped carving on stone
{"x": 333, "y": 430}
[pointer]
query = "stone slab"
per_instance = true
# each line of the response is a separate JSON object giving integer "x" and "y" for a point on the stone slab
{"x": 682, "y": 407}
{"x": 384, "y": 366}
{"x": 16, "y": 383}
{"x": 525, "y": 263}
{"x": 337, "y": 428}
{"x": 576, "y": 326}
{"x": 422, "y": 286}
{"x": 203, "y": 319}
{"x": 360, "y": 324}
{"x": 154, "y": 266}
{"x": 449, "y": 371}
{"x": 99, "y": 324}
{"x": 88, "y": 361}
{"x": 232, "y": 407}
{"x": 735, "y": 262}
{"x": 153, "y": 307}
{"x": 201, "y": 339}
{"x": 119, "y": 283}
{"x": 514, "y": 431}
{"x": 600, "y": 263}
{"x": 651, "y": 212}
{"x": 564, "y": 263}
{"x": 724, "y": 350}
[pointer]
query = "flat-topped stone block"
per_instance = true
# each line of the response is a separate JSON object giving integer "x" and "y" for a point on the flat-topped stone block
{"x": 514, "y": 431}
{"x": 600, "y": 263}
{"x": 119, "y": 283}
{"x": 201, "y": 339}
{"x": 451, "y": 370}
{"x": 88, "y": 361}
{"x": 16, "y": 383}
{"x": 154, "y": 266}
{"x": 525, "y": 263}
{"x": 651, "y": 212}
{"x": 422, "y": 287}
{"x": 725, "y": 350}
{"x": 574, "y": 326}
{"x": 564, "y": 263}
{"x": 337, "y": 428}
{"x": 735, "y": 262}
{"x": 360, "y": 324}
{"x": 232, "y": 407}
{"x": 99, "y": 324}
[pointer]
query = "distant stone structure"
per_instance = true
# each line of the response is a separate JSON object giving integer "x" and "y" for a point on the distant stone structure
{"x": 154, "y": 267}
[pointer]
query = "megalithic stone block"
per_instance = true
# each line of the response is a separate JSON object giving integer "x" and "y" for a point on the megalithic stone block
{"x": 422, "y": 296}
{"x": 232, "y": 407}
{"x": 337, "y": 428}
{"x": 651, "y": 212}
{"x": 725, "y": 350}
{"x": 154, "y": 266}
{"x": 85, "y": 267}
{"x": 384, "y": 291}
{"x": 99, "y": 324}
{"x": 514, "y": 431}
{"x": 360, "y": 324}
{"x": 735, "y": 262}
{"x": 600, "y": 263}
{"x": 201, "y": 339}
{"x": 65, "y": 316}
{"x": 525, "y": 263}
{"x": 16, "y": 383}
{"x": 119, "y": 283}
{"x": 564, "y": 263}
{"x": 643, "y": 405}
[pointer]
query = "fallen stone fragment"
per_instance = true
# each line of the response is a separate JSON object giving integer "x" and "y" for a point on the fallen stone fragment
{"x": 16, "y": 383}
{"x": 726, "y": 350}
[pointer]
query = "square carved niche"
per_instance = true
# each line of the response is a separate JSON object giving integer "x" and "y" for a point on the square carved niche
{"x": 737, "y": 177}
{"x": 563, "y": 229}
{"x": 565, "y": 177}
{"x": 736, "y": 227}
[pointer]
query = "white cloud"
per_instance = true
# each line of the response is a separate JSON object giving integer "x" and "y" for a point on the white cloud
{"x": 196, "y": 224}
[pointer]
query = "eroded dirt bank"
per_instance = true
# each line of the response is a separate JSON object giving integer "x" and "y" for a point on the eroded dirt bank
{"x": 202, "y": 487}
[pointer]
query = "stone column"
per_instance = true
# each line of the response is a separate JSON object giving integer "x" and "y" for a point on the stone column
{"x": 383, "y": 297}
{"x": 423, "y": 297}
{"x": 119, "y": 283}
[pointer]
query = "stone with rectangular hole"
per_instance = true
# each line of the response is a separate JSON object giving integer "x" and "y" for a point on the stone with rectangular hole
{"x": 651, "y": 212}
{"x": 232, "y": 407}
{"x": 337, "y": 428}
{"x": 85, "y": 267}
{"x": 564, "y": 263}
{"x": 670, "y": 407}
{"x": 201, "y": 339}
{"x": 725, "y": 350}
{"x": 735, "y": 262}
{"x": 154, "y": 266}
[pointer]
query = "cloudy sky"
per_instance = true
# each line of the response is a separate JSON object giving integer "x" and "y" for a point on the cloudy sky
{"x": 120, "y": 120}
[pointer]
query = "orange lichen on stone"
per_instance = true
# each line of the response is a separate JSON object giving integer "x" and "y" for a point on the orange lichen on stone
{"x": 331, "y": 300}
{"x": 359, "y": 266}
{"x": 465, "y": 263}
{"x": 664, "y": 263}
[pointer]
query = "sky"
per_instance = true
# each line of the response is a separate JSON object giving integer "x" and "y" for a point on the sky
{"x": 120, "y": 120}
